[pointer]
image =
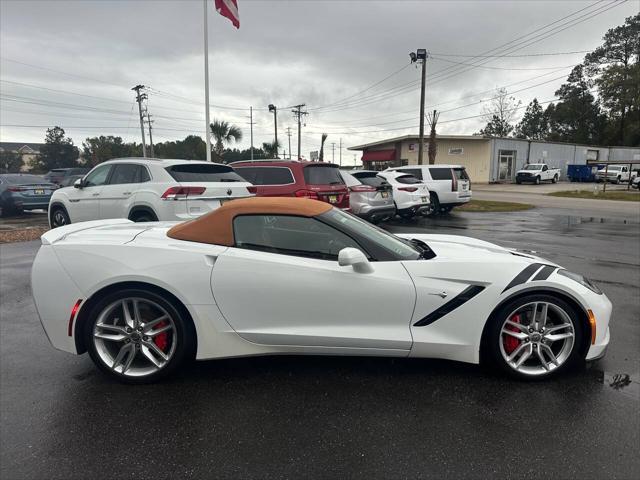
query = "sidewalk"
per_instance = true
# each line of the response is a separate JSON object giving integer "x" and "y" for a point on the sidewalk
{"x": 543, "y": 188}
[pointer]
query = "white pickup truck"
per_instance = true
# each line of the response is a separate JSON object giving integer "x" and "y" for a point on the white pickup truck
{"x": 614, "y": 174}
{"x": 536, "y": 173}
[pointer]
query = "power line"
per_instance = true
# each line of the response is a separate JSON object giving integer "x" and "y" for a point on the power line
{"x": 509, "y": 56}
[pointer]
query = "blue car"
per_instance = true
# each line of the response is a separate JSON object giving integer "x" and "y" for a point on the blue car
{"x": 19, "y": 192}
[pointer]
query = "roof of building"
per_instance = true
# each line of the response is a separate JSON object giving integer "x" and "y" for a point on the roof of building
{"x": 17, "y": 146}
{"x": 475, "y": 137}
{"x": 217, "y": 227}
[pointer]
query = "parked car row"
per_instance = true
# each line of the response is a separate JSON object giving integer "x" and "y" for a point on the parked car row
{"x": 144, "y": 189}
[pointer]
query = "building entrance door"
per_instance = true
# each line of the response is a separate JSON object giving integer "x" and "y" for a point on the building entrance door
{"x": 506, "y": 164}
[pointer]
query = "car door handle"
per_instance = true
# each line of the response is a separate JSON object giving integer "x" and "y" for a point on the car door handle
{"x": 440, "y": 294}
{"x": 96, "y": 194}
{"x": 126, "y": 193}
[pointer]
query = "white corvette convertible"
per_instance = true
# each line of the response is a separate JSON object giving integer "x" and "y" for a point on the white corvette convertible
{"x": 266, "y": 276}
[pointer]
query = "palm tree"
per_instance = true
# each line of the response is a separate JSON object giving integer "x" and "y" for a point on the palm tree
{"x": 271, "y": 149}
{"x": 324, "y": 138}
{"x": 224, "y": 133}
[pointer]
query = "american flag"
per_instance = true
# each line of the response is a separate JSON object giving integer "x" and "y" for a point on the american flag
{"x": 229, "y": 9}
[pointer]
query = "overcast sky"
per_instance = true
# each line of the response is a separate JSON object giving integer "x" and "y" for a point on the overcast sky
{"x": 327, "y": 54}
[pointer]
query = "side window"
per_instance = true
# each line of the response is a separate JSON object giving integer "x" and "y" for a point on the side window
{"x": 545, "y": 168}
{"x": 124, "y": 173}
{"x": 290, "y": 235}
{"x": 98, "y": 176}
{"x": 441, "y": 173}
{"x": 143, "y": 175}
{"x": 416, "y": 172}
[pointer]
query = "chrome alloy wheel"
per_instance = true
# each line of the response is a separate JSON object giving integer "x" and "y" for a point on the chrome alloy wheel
{"x": 134, "y": 336}
{"x": 536, "y": 338}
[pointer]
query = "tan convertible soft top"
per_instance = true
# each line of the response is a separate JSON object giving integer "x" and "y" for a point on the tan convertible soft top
{"x": 217, "y": 227}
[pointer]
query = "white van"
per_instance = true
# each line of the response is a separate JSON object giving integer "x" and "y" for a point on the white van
{"x": 450, "y": 186}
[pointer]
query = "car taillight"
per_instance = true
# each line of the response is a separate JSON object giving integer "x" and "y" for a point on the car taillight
{"x": 306, "y": 194}
{"x": 17, "y": 189}
{"x": 174, "y": 193}
{"x": 362, "y": 188}
{"x": 454, "y": 181}
{"x": 408, "y": 189}
{"x": 253, "y": 190}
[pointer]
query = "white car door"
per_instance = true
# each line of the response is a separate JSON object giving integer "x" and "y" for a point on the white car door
{"x": 115, "y": 196}
{"x": 282, "y": 285}
{"x": 84, "y": 202}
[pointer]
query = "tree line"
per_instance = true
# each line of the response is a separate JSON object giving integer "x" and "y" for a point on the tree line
{"x": 598, "y": 104}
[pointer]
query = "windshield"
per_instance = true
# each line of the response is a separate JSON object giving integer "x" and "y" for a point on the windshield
{"x": 533, "y": 166}
{"x": 407, "y": 179}
{"x": 200, "y": 172}
{"x": 370, "y": 178}
{"x": 382, "y": 239}
{"x": 461, "y": 174}
{"x": 322, "y": 175}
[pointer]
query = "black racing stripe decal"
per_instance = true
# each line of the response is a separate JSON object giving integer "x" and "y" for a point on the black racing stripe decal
{"x": 544, "y": 273}
{"x": 523, "y": 276}
{"x": 464, "y": 296}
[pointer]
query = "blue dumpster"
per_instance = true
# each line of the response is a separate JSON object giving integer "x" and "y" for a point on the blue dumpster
{"x": 582, "y": 173}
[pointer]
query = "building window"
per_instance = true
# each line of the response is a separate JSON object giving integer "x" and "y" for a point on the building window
{"x": 592, "y": 155}
{"x": 456, "y": 151}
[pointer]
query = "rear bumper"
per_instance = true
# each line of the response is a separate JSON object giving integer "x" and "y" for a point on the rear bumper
{"x": 369, "y": 212}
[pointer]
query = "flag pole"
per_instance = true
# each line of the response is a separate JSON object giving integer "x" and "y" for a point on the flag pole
{"x": 206, "y": 81}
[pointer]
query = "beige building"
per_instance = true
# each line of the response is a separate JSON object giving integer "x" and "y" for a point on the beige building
{"x": 28, "y": 152}
{"x": 488, "y": 159}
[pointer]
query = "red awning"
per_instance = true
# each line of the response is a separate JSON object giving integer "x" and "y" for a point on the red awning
{"x": 379, "y": 156}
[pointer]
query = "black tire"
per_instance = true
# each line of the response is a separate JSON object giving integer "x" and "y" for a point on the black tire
{"x": 446, "y": 210}
{"x": 59, "y": 217}
{"x": 618, "y": 180}
{"x": 537, "y": 181}
{"x": 491, "y": 348}
{"x": 518, "y": 181}
{"x": 185, "y": 335}
{"x": 143, "y": 216}
{"x": 436, "y": 209}
{"x": 554, "y": 179}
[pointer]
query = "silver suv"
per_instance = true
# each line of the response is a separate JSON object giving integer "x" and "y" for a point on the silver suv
{"x": 370, "y": 197}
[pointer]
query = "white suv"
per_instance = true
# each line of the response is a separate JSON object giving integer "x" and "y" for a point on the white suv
{"x": 450, "y": 186}
{"x": 147, "y": 190}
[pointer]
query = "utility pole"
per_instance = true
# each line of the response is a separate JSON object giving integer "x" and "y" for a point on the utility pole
{"x": 340, "y": 151}
{"x": 289, "y": 135}
{"x": 274, "y": 109}
{"x": 421, "y": 54}
{"x": 251, "y": 123}
{"x": 298, "y": 113}
{"x": 333, "y": 152}
{"x": 139, "y": 98}
{"x": 149, "y": 121}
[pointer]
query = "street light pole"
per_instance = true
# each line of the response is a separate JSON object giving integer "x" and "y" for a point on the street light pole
{"x": 421, "y": 54}
{"x": 274, "y": 109}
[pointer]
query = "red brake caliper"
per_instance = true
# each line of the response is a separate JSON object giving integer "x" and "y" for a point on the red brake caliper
{"x": 162, "y": 339}
{"x": 511, "y": 343}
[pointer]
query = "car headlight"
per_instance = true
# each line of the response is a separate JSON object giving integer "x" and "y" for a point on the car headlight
{"x": 585, "y": 282}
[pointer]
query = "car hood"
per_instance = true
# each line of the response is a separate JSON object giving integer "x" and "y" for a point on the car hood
{"x": 528, "y": 171}
{"x": 459, "y": 248}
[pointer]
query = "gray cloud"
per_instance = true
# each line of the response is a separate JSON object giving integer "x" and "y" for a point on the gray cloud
{"x": 313, "y": 52}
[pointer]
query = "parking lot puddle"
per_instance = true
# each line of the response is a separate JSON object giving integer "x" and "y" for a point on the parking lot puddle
{"x": 624, "y": 383}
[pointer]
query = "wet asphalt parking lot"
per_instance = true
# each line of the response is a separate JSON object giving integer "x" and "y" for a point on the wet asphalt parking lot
{"x": 336, "y": 417}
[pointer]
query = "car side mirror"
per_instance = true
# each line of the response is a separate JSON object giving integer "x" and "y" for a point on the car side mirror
{"x": 355, "y": 258}
{"x": 78, "y": 183}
